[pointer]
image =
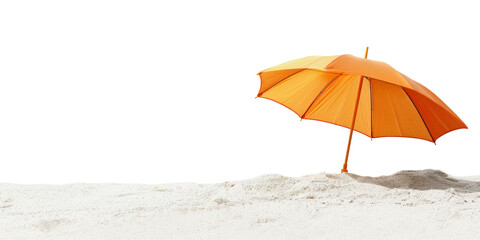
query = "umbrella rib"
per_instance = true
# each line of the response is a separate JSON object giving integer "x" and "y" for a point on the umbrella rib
{"x": 419, "y": 114}
{"x": 320, "y": 93}
{"x": 281, "y": 81}
{"x": 371, "y": 108}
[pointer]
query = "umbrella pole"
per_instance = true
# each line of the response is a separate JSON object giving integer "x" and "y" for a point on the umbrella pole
{"x": 353, "y": 120}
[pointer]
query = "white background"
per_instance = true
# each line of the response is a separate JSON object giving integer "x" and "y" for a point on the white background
{"x": 164, "y": 91}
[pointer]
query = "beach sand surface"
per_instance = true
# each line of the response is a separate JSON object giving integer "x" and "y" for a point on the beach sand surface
{"x": 424, "y": 204}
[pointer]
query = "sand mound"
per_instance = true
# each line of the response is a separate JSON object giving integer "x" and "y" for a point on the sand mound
{"x": 426, "y": 204}
{"x": 421, "y": 180}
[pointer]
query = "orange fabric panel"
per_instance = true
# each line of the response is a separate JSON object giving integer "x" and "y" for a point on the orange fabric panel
{"x": 337, "y": 102}
{"x": 268, "y": 79}
{"x": 312, "y": 62}
{"x": 299, "y": 90}
{"x": 394, "y": 114}
{"x": 427, "y": 93}
{"x": 439, "y": 119}
{"x": 363, "y": 121}
{"x": 369, "y": 68}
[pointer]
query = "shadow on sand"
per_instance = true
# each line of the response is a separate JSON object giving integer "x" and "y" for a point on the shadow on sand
{"x": 420, "y": 180}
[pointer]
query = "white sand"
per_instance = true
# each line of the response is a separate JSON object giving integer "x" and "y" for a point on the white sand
{"x": 426, "y": 204}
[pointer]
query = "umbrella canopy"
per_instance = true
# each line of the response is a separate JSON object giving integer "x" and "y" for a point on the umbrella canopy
{"x": 367, "y": 96}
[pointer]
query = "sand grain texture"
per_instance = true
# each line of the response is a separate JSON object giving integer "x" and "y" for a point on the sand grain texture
{"x": 427, "y": 204}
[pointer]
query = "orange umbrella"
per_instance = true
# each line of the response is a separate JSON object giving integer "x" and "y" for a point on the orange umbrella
{"x": 367, "y": 96}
